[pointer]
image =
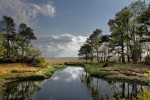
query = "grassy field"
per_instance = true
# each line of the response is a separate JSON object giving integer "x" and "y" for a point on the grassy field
{"x": 20, "y": 71}
{"x": 15, "y": 68}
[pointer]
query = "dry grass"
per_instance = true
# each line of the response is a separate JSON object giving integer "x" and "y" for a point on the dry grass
{"x": 61, "y": 60}
{"x": 20, "y": 67}
{"x": 24, "y": 70}
{"x": 139, "y": 69}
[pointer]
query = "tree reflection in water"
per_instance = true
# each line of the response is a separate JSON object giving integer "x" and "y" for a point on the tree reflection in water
{"x": 21, "y": 90}
{"x": 108, "y": 89}
{"x": 72, "y": 80}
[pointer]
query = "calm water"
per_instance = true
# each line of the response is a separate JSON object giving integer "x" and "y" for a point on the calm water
{"x": 71, "y": 83}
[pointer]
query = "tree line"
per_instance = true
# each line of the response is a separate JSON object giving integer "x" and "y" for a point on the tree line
{"x": 129, "y": 39}
{"x": 16, "y": 43}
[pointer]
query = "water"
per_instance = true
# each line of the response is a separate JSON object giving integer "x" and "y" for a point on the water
{"x": 72, "y": 83}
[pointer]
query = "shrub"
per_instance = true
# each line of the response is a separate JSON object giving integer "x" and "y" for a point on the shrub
{"x": 39, "y": 62}
{"x": 107, "y": 63}
{"x": 147, "y": 60}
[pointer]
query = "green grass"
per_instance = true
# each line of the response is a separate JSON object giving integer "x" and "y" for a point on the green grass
{"x": 95, "y": 70}
{"x": 145, "y": 95}
{"x": 51, "y": 70}
{"x": 2, "y": 88}
{"x": 3, "y": 76}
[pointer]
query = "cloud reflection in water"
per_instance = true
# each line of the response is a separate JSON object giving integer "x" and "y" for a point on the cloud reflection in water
{"x": 68, "y": 75}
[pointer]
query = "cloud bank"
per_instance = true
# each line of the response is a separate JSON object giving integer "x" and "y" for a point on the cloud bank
{"x": 25, "y": 12}
{"x": 59, "y": 45}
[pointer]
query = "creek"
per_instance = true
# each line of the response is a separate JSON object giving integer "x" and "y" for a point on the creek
{"x": 72, "y": 83}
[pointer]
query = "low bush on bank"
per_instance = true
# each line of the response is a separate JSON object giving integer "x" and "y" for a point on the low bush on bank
{"x": 106, "y": 63}
{"x": 39, "y": 62}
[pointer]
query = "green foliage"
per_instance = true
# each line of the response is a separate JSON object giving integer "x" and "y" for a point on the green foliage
{"x": 147, "y": 59}
{"x": 49, "y": 71}
{"x": 144, "y": 18}
{"x": 95, "y": 70}
{"x": 39, "y": 62}
{"x": 119, "y": 27}
{"x": 34, "y": 57}
{"x": 145, "y": 95}
{"x": 85, "y": 52}
{"x": 106, "y": 63}
{"x": 2, "y": 48}
{"x": 15, "y": 46}
{"x": 129, "y": 35}
{"x": 2, "y": 88}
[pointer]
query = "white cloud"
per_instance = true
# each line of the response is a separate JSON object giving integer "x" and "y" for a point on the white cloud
{"x": 65, "y": 45}
{"x": 24, "y": 12}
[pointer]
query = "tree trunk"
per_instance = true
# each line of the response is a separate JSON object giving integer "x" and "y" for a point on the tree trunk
{"x": 128, "y": 56}
{"x": 97, "y": 54}
{"x": 122, "y": 50}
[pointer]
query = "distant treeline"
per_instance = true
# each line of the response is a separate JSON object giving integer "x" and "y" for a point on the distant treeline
{"x": 129, "y": 39}
{"x": 15, "y": 43}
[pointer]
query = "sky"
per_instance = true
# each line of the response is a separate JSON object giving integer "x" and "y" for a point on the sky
{"x": 62, "y": 26}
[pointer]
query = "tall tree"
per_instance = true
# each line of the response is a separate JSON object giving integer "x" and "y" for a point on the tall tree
{"x": 94, "y": 40}
{"x": 119, "y": 28}
{"x": 24, "y": 37}
{"x": 8, "y": 29}
{"x": 2, "y": 49}
{"x": 104, "y": 49}
{"x": 143, "y": 28}
{"x": 137, "y": 9}
{"x": 85, "y": 52}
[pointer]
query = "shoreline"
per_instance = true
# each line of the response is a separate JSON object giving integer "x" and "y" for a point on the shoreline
{"x": 122, "y": 74}
{"x": 39, "y": 74}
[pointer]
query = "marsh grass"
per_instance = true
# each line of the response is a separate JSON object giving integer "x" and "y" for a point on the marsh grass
{"x": 62, "y": 61}
{"x": 49, "y": 71}
{"x": 95, "y": 70}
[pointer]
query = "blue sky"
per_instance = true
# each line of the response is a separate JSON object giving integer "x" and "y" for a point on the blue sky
{"x": 80, "y": 16}
{"x": 63, "y": 25}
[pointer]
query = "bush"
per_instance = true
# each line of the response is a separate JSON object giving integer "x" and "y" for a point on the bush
{"x": 147, "y": 60}
{"x": 107, "y": 63}
{"x": 39, "y": 62}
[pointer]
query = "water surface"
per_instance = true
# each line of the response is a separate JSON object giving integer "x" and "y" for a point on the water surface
{"x": 72, "y": 83}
